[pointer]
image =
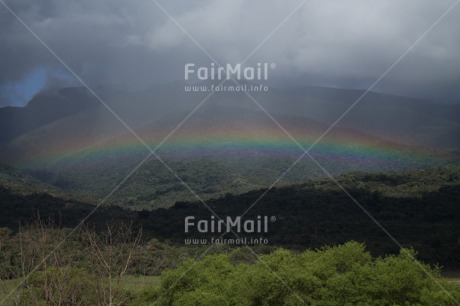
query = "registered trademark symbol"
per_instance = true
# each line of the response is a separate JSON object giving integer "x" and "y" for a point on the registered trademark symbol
{"x": 273, "y": 66}
{"x": 273, "y": 218}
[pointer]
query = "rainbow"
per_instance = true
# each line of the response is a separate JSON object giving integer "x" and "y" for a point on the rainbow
{"x": 232, "y": 141}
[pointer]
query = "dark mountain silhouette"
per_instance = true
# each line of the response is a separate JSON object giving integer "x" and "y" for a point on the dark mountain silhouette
{"x": 404, "y": 120}
{"x": 43, "y": 109}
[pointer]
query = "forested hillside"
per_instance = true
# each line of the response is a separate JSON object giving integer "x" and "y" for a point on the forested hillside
{"x": 419, "y": 208}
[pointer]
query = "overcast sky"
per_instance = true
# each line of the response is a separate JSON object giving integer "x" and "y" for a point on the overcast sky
{"x": 329, "y": 43}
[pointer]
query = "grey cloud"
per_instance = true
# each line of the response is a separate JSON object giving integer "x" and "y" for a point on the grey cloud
{"x": 338, "y": 43}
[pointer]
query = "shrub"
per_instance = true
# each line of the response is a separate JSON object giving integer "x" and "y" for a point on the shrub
{"x": 341, "y": 275}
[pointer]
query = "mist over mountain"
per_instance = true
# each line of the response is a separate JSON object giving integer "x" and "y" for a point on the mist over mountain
{"x": 228, "y": 145}
{"x": 403, "y": 120}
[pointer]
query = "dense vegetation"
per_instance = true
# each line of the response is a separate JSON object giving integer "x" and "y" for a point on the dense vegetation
{"x": 96, "y": 264}
{"x": 154, "y": 186}
{"x": 342, "y": 275}
{"x": 98, "y": 273}
{"x": 419, "y": 208}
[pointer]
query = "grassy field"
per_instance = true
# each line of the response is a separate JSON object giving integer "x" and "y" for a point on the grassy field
{"x": 7, "y": 286}
{"x": 133, "y": 283}
{"x": 136, "y": 283}
{"x": 452, "y": 276}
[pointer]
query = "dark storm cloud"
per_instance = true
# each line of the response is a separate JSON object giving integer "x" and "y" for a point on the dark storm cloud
{"x": 335, "y": 43}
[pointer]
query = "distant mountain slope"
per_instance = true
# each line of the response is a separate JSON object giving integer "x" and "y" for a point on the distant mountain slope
{"x": 220, "y": 149}
{"x": 43, "y": 109}
{"x": 401, "y": 119}
{"x": 419, "y": 208}
{"x": 26, "y": 183}
{"x": 227, "y": 146}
